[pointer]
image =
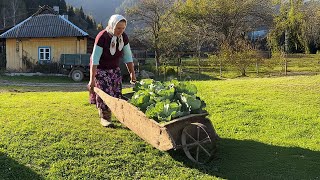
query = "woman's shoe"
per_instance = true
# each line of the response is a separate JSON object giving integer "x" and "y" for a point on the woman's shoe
{"x": 106, "y": 123}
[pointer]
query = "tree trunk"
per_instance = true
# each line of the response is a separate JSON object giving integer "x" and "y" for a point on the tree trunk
{"x": 157, "y": 61}
{"x": 198, "y": 53}
{"x": 285, "y": 66}
{"x": 199, "y": 68}
{"x": 243, "y": 72}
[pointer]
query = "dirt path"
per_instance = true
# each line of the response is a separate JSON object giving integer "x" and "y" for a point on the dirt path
{"x": 33, "y": 84}
{"x": 11, "y": 83}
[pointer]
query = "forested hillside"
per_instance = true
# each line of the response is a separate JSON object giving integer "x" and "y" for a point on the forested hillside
{"x": 14, "y": 11}
{"x": 100, "y": 9}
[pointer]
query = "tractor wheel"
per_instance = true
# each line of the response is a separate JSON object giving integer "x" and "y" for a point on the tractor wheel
{"x": 77, "y": 75}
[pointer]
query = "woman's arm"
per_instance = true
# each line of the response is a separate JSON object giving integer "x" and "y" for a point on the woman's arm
{"x": 130, "y": 67}
{"x": 93, "y": 70}
{"x": 96, "y": 54}
{"x": 127, "y": 58}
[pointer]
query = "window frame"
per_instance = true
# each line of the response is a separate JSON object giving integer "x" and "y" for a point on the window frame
{"x": 44, "y": 60}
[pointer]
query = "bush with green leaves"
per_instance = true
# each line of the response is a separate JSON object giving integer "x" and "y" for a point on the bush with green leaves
{"x": 164, "y": 101}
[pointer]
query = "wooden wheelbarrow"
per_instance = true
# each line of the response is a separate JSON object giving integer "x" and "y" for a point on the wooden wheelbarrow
{"x": 193, "y": 133}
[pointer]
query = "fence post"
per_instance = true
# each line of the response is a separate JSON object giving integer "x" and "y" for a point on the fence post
{"x": 220, "y": 67}
{"x": 199, "y": 68}
{"x": 257, "y": 67}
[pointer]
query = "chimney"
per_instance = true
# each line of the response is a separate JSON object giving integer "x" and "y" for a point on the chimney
{"x": 56, "y": 9}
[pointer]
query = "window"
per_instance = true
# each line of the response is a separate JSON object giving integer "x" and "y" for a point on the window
{"x": 44, "y": 55}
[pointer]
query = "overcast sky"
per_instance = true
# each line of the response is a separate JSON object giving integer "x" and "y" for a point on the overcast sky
{"x": 101, "y": 10}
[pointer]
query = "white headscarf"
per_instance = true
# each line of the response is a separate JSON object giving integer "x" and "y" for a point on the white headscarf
{"x": 113, "y": 21}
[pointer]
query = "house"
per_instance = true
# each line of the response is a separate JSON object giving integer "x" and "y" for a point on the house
{"x": 3, "y": 49}
{"x": 41, "y": 39}
{"x": 139, "y": 50}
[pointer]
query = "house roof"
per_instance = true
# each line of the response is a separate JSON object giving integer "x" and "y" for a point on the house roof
{"x": 44, "y": 23}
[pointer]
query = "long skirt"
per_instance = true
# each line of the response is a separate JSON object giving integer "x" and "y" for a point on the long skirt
{"x": 109, "y": 81}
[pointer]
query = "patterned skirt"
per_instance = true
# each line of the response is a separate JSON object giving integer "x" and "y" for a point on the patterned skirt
{"x": 109, "y": 81}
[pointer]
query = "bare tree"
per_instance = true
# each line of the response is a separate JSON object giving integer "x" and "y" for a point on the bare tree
{"x": 312, "y": 18}
{"x": 234, "y": 19}
{"x": 226, "y": 23}
{"x": 151, "y": 15}
{"x": 289, "y": 27}
{"x": 12, "y": 12}
{"x": 14, "y": 9}
{"x": 4, "y": 14}
{"x": 231, "y": 19}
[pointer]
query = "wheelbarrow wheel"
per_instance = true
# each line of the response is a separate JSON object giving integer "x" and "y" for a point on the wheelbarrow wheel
{"x": 197, "y": 143}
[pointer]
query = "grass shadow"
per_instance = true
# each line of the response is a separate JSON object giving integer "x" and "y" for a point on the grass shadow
{"x": 246, "y": 159}
{"x": 11, "y": 169}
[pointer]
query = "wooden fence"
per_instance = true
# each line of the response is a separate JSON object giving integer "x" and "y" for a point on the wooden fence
{"x": 191, "y": 66}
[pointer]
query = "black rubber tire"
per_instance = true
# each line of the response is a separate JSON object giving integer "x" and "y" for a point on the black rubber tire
{"x": 77, "y": 75}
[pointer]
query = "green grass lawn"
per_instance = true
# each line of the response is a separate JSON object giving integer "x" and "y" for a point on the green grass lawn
{"x": 269, "y": 129}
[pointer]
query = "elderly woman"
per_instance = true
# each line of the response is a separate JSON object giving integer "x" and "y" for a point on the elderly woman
{"x": 111, "y": 47}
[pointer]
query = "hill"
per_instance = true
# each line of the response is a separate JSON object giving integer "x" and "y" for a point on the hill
{"x": 99, "y": 9}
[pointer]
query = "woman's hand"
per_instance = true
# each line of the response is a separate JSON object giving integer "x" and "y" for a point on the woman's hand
{"x": 132, "y": 78}
{"x": 90, "y": 86}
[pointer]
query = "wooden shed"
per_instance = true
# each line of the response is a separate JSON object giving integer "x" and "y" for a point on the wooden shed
{"x": 41, "y": 39}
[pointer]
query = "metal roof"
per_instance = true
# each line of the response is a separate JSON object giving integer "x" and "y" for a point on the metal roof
{"x": 44, "y": 24}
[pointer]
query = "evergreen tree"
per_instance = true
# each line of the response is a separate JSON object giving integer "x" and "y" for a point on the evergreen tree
{"x": 63, "y": 7}
{"x": 90, "y": 22}
{"x": 82, "y": 13}
{"x": 14, "y": 11}
{"x": 71, "y": 12}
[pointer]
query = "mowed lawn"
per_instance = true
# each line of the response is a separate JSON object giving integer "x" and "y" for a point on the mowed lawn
{"x": 269, "y": 129}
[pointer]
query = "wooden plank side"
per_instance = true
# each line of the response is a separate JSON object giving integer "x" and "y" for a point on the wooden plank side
{"x": 129, "y": 115}
{"x": 190, "y": 116}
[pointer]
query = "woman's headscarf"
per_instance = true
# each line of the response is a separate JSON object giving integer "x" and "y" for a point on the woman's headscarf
{"x": 113, "y": 21}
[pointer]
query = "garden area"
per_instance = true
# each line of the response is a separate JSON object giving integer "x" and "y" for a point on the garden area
{"x": 268, "y": 129}
{"x": 253, "y": 66}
